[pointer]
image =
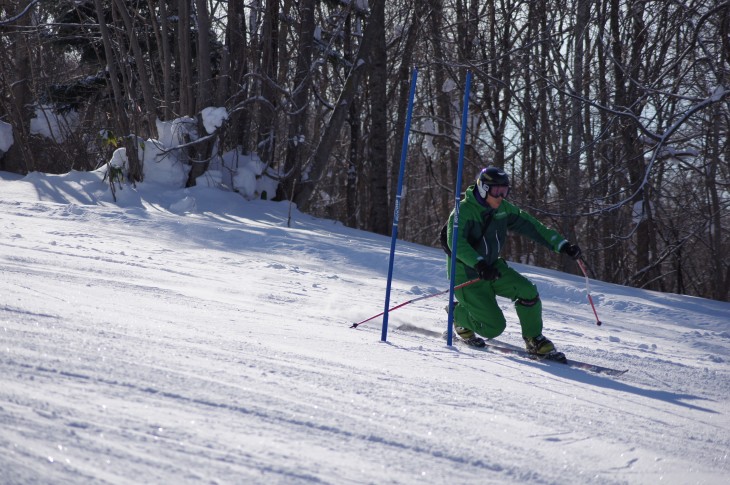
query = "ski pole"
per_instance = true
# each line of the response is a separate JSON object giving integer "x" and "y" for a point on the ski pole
{"x": 588, "y": 290}
{"x": 354, "y": 325}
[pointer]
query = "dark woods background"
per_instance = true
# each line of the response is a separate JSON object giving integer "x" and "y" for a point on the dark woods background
{"x": 610, "y": 116}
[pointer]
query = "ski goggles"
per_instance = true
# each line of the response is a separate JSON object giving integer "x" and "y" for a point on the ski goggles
{"x": 498, "y": 190}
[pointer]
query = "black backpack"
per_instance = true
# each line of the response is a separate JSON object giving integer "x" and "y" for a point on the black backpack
{"x": 444, "y": 238}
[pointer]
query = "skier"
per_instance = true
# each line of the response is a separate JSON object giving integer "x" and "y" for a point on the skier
{"x": 484, "y": 219}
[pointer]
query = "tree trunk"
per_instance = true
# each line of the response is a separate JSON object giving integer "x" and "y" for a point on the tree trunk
{"x": 162, "y": 33}
{"x": 354, "y": 159}
{"x": 205, "y": 72}
{"x": 135, "y": 173}
{"x": 318, "y": 161}
{"x": 236, "y": 45}
{"x": 445, "y": 117}
{"x": 19, "y": 158}
{"x": 403, "y": 90}
{"x": 378, "y": 136}
{"x": 185, "y": 59}
{"x": 202, "y": 152}
{"x": 270, "y": 54}
{"x": 572, "y": 195}
{"x": 150, "y": 106}
{"x": 297, "y": 135}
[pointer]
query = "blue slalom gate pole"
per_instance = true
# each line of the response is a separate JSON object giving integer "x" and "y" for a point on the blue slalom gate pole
{"x": 457, "y": 195}
{"x": 396, "y": 211}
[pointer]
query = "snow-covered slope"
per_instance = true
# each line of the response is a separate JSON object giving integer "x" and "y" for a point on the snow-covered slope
{"x": 189, "y": 336}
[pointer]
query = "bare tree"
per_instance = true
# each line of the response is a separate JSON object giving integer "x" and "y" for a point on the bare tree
{"x": 378, "y": 136}
{"x": 299, "y": 116}
{"x": 318, "y": 162}
{"x": 610, "y": 116}
{"x": 120, "y": 114}
{"x": 16, "y": 83}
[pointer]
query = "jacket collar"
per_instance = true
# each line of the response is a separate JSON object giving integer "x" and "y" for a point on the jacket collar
{"x": 472, "y": 195}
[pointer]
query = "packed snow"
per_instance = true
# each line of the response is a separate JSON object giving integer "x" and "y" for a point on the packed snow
{"x": 193, "y": 336}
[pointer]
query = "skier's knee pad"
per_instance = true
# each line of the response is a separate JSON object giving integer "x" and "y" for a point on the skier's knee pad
{"x": 528, "y": 303}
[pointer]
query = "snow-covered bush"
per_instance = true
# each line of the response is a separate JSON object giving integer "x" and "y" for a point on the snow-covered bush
{"x": 164, "y": 162}
{"x": 6, "y": 137}
{"x": 53, "y": 125}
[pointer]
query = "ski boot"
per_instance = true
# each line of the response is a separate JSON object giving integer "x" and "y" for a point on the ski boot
{"x": 469, "y": 337}
{"x": 542, "y": 348}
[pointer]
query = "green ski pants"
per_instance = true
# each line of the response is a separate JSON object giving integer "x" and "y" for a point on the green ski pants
{"x": 478, "y": 309}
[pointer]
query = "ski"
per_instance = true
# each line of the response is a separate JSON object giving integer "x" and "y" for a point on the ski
{"x": 495, "y": 346}
{"x": 558, "y": 357}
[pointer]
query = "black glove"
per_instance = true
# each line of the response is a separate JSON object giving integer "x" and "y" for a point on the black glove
{"x": 487, "y": 271}
{"x": 571, "y": 250}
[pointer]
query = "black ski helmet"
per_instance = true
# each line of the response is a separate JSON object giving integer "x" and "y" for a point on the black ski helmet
{"x": 491, "y": 176}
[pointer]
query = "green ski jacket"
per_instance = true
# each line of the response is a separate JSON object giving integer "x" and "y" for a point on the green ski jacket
{"x": 478, "y": 242}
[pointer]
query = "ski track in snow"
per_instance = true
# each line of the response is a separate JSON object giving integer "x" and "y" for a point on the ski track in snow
{"x": 141, "y": 346}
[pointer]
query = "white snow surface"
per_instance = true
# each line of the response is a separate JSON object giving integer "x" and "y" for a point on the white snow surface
{"x": 191, "y": 336}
